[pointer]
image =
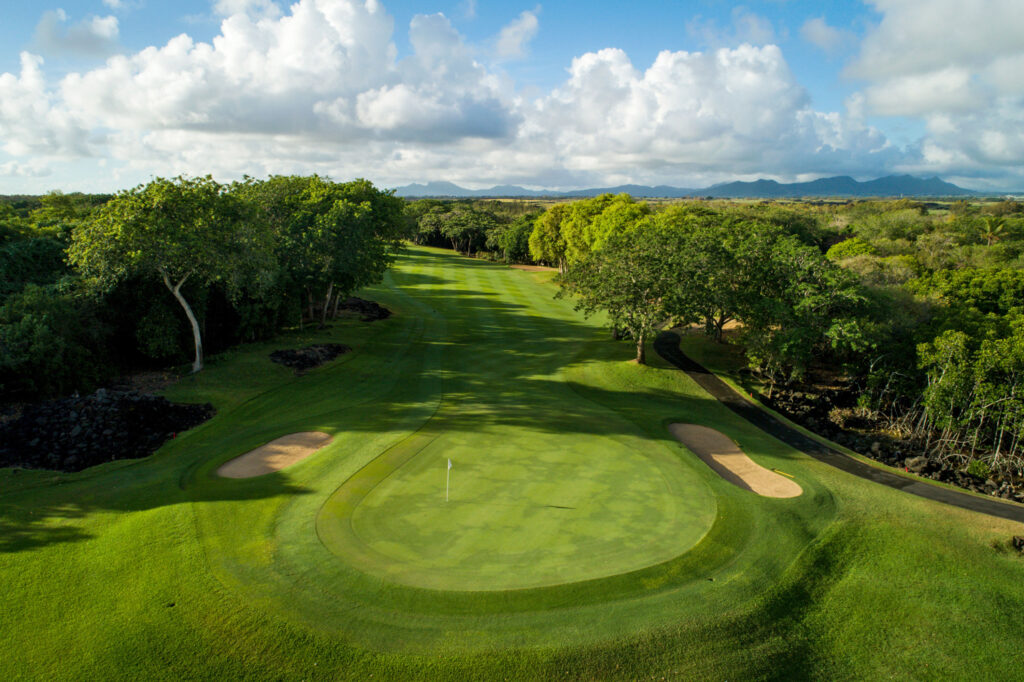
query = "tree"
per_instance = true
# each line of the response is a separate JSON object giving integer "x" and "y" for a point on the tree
{"x": 800, "y": 303}
{"x": 329, "y": 238}
{"x": 711, "y": 283}
{"x": 631, "y": 279}
{"x": 513, "y": 239}
{"x": 547, "y": 245}
{"x": 176, "y": 230}
{"x": 577, "y": 226}
{"x": 993, "y": 230}
{"x": 51, "y": 342}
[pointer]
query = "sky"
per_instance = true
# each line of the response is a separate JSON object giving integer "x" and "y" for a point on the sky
{"x": 101, "y": 95}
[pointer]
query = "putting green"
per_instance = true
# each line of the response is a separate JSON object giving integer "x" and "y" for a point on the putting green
{"x": 522, "y": 511}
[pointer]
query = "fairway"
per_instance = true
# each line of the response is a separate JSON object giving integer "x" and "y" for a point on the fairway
{"x": 579, "y": 538}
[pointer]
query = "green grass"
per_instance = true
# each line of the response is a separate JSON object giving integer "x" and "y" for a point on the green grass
{"x": 350, "y": 564}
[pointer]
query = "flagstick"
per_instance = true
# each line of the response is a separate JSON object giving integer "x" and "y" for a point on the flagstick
{"x": 447, "y": 479}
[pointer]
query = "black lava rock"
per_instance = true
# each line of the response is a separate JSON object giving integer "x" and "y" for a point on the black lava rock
{"x": 368, "y": 310}
{"x": 307, "y": 358}
{"x": 75, "y": 433}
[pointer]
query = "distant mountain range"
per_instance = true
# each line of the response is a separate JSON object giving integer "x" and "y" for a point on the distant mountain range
{"x": 840, "y": 186}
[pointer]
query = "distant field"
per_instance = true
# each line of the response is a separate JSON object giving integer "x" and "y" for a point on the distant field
{"x": 579, "y": 539}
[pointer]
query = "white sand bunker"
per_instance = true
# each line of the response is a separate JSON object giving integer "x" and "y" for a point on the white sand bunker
{"x": 720, "y": 453}
{"x": 275, "y": 455}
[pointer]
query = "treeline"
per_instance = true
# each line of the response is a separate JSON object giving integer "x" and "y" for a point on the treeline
{"x": 920, "y": 307}
{"x": 944, "y": 365}
{"x": 94, "y": 285}
{"x": 496, "y": 230}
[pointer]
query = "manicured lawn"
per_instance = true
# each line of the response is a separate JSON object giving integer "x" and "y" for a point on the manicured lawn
{"x": 579, "y": 541}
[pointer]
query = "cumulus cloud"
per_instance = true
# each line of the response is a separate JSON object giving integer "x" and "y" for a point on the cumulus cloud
{"x": 826, "y": 38}
{"x": 514, "y": 37}
{"x": 92, "y": 37}
{"x": 963, "y": 77}
{"x": 725, "y": 111}
{"x": 32, "y": 122}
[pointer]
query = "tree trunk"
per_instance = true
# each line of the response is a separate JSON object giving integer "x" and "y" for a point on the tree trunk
{"x": 327, "y": 305}
{"x": 641, "y": 352}
{"x": 337, "y": 304}
{"x": 175, "y": 289}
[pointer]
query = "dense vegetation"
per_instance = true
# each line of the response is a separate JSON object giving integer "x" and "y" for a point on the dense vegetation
{"x": 96, "y": 285}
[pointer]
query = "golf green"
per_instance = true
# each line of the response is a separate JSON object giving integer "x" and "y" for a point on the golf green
{"x": 521, "y": 511}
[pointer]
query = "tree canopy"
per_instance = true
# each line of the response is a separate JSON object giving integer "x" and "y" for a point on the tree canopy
{"x": 173, "y": 230}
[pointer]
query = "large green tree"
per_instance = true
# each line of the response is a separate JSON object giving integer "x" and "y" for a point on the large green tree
{"x": 329, "y": 238}
{"x": 547, "y": 244}
{"x": 177, "y": 230}
{"x": 631, "y": 279}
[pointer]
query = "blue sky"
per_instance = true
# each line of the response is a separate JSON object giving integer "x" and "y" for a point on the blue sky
{"x": 100, "y": 95}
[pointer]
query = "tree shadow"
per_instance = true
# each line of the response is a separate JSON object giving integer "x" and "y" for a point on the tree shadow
{"x": 38, "y": 515}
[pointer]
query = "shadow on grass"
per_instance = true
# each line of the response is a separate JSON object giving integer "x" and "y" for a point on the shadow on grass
{"x": 42, "y": 515}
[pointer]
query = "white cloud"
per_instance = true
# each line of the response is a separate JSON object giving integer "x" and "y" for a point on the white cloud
{"x": 946, "y": 90}
{"x": 13, "y": 169}
{"x": 32, "y": 122}
{"x": 826, "y": 38}
{"x": 114, "y": 4}
{"x": 92, "y": 37}
{"x": 515, "y": 36}
{"x": 727, "y": 111}
{"x": 957, "y": 66}
{"x": 319, "y": 88}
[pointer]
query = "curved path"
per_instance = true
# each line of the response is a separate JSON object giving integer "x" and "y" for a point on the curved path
{"x": 667, "y": 346}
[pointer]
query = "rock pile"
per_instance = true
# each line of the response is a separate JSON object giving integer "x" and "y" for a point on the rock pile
{"x": 75, "y": 433}
{"x": 830, "y": 413}
{"x": 307, "y": 358}
{"x": 368, "y": 310}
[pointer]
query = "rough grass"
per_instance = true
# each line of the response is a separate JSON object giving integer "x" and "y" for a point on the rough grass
{"x": 158, "y": 569}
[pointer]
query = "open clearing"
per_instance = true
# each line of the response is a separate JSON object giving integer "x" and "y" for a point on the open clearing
{"x": 720, "y": 453}
{"x": 579, "y": 540}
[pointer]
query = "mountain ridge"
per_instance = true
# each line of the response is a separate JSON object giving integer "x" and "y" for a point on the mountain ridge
{"x": 837, "y": 186}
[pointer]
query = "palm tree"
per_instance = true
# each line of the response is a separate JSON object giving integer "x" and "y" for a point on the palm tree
{"x": 994, "y": 230}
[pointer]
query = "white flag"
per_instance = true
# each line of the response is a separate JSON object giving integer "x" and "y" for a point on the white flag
{"x": 449, "y": 464}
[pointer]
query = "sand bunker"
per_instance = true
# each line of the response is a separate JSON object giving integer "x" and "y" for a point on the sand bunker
{"x": 275, "y": 455}
{"x": 720, "y": 453}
